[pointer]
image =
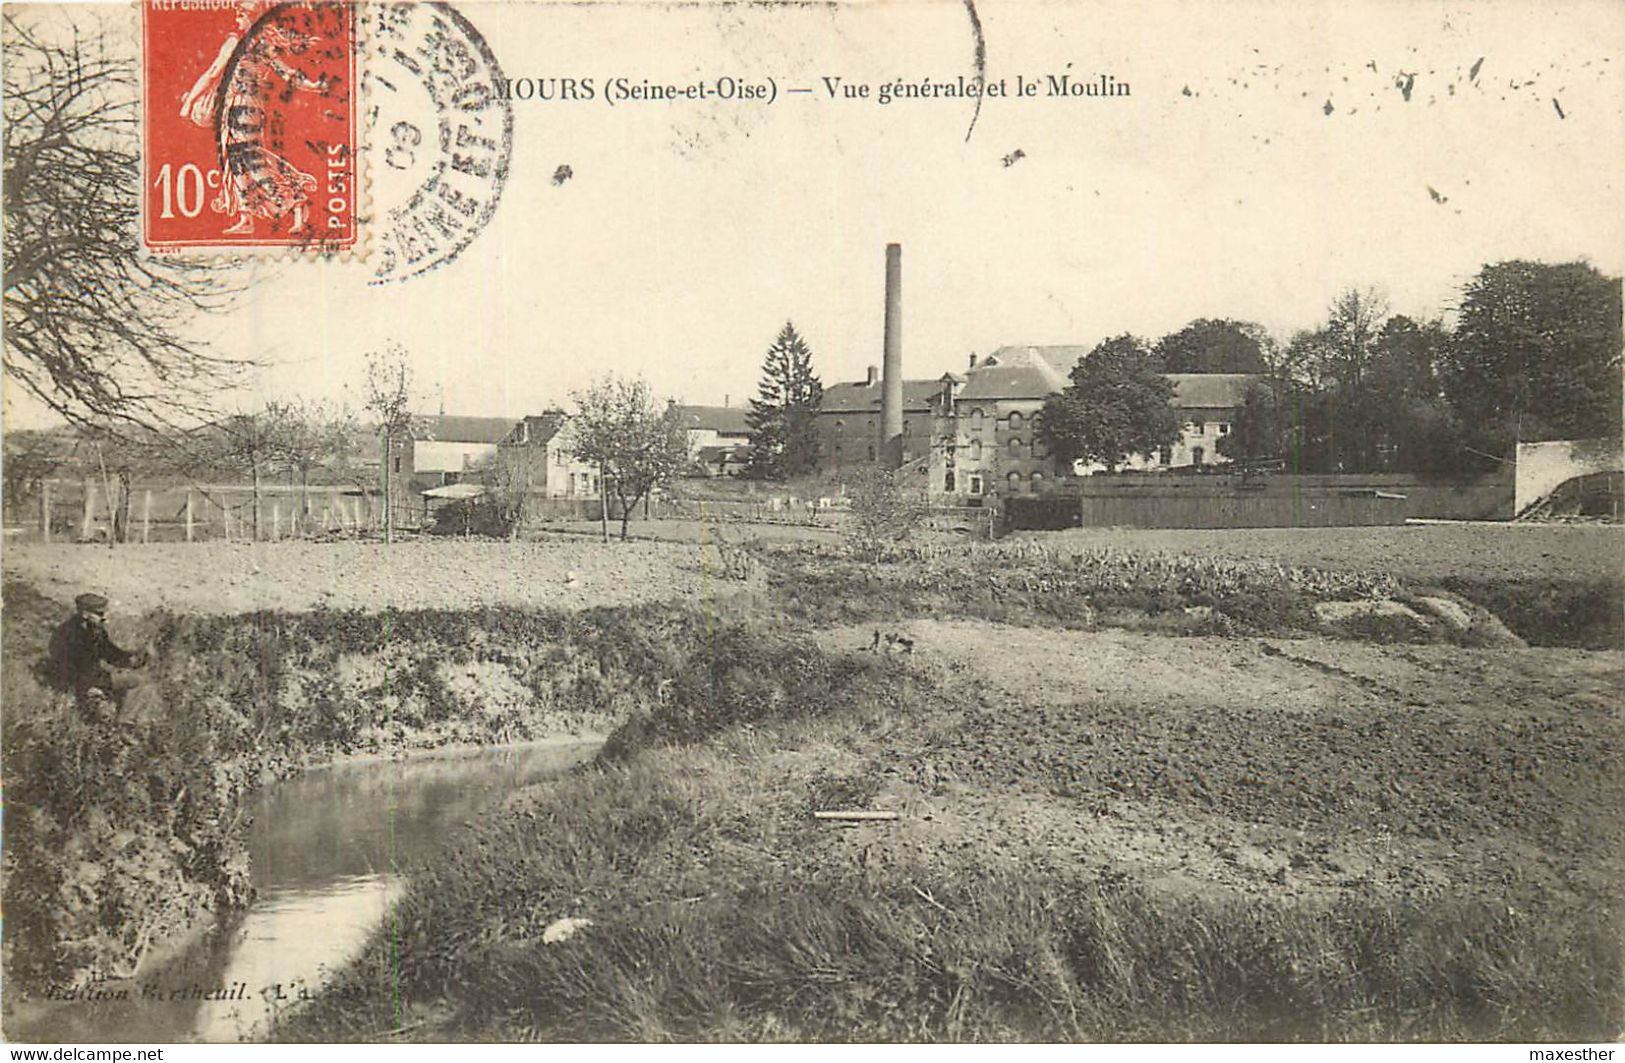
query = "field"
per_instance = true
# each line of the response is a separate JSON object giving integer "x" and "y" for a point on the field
{"x": 1432, "y": 552}
{"x": 220, "y": 577}
{"x": 1099, "y": 836}
{"x": 1143, "y": 789}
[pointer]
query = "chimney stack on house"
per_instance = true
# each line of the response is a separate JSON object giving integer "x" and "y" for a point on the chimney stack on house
{"x": 973, "y": 359}
{"x": 891, "y": 395}
{"x": 874, "y": 375}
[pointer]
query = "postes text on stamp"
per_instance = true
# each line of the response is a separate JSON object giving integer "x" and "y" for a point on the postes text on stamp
{"x": 249, "y": 119}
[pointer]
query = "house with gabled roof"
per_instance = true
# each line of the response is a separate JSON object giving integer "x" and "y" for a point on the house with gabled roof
{"x": 437, "y": 450}
{"x": 541, "y": 448}
{"x": 718, "y": 437}
{"x": 446, "y": 448}
{"x": 999, "y": 411}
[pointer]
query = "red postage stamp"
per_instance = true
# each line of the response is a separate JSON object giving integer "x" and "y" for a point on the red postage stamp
{"x": 250, "y": 125}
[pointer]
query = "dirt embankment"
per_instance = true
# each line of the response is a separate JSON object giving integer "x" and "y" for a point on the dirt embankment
{"x": 1269, "y": 766}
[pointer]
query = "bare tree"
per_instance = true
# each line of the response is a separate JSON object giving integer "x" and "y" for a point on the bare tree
{"x": 389, "y": 399}
{"x": 637, "y": 445}
{"x": 30, "y": 459}
{"x": 311, "y": 437}
{"x": 251, "y": 442}
{"x": 94, "y": 328}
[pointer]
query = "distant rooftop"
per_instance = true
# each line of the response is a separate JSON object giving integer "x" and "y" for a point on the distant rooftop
{"x": 1211, "y": 391}
{"x": 727, "y": 420}
{"x": 863, "y": 397}
{"x": 451, "y": 428}
{"x": 1018, "y": 373}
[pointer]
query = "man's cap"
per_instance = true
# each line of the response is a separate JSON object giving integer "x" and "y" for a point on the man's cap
{"x": 91, "y": 603}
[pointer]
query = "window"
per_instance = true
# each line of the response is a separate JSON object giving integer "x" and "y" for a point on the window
{"x": 1015, "y": 447}
{"x": 976, "y": 450}
{"x": 976, "y": 419}
{"x": 1014, "y": 482}
{"x": 397, "y": 463}
{"x": 1165, "y": 456}
{"x": 1197, "y": 454}
{"x": 1015, "y": 420}
{"x": 871, "y": 452}
{"x": 975, "y": 484}
{"x": 1199, "y": 427}
{"x": 1224, "y": 428}
{"x": 1039, "y": 449}
{"x": 839, "y": 427}
{"x": 1038, "y": 481}
{"x": 905, "y": 427}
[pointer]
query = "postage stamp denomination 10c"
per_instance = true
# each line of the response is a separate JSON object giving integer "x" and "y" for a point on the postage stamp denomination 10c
{"x": 250, "y": 125}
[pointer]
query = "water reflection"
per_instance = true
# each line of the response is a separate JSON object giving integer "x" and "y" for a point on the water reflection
{"x": 288, "y": 944}
{"x": 329, "y": 849}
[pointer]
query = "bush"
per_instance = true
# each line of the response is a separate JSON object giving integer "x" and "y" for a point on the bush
{"x": 475, "y": 516}
{"x": 883, "y": 512}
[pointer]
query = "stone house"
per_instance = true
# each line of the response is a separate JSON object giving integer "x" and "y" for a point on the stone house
{"x": 999, "y": 410}
{"x": 1209, "y": 402}
{"x": 437, "y": 450}
{"x": 848, "y": 420}
{"x": 538, "y": 450}
{"x": 718, "y": 438}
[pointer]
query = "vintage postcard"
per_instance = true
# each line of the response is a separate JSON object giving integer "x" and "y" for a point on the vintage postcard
{"x": 915, "y": 520}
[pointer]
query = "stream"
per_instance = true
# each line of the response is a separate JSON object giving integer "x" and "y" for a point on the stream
{"x": 328, "y": 850}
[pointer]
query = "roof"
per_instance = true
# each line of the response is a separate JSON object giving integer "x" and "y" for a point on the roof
{"x": 728, "y": 420}
{"x": 446, "y": 428}
{"x": 1017, "y": 373}
{"x": 536, "y": 429}
{"x": 863, "y": 397}
{"x": 462, "y": 490}
{"x": 725, "y": 453}
{"x": 1211, "y": 391}
{"x": 1061, "y": 356}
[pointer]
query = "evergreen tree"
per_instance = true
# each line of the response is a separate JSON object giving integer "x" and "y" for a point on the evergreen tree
{"x": 783, "y": 435}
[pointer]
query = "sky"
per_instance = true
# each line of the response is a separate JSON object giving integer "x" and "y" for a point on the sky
{"x": 1267, "y": 157}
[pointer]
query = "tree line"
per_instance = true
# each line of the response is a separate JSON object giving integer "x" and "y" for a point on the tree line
{"x": 1533, "y": 353}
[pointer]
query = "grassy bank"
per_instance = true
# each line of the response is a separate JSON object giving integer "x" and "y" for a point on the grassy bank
{"x": 1410, "y": 843}
{"x": 125, "y": 822}
{"x": 721, "y": 910}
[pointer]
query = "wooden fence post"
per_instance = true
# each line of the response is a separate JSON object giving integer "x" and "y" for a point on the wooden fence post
{"x": 146, "y": 515}
{"x": 276, "y": 521}
{"x": 188, "y": 514}
{"x": 89, "y": 507}
{"x": 45, "y": 511}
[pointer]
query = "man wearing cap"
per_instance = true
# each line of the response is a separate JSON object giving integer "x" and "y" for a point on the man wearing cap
{"x": 81, "y": 651}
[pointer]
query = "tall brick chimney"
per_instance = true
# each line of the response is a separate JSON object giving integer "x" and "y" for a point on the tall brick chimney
{"x": 891, "y": 395}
